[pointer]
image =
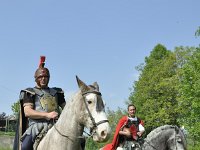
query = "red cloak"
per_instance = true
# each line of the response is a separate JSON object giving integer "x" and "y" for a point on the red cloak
{"x": 115, "y": 141}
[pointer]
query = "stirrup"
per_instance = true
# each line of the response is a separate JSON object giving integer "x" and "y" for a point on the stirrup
{"x": 133, "y": 145}
{"x": 137, "y": 145}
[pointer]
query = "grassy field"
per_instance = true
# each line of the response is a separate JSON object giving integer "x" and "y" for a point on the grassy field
{"x": 5, "y": 134}
{"x": 5, "y": 148}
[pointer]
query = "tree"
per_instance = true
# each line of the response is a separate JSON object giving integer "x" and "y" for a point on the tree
{"x": 190, "y": 93}
{"x": 2, "y": 116}
{"x": 197, "y": 33}
{"x": 154, "y": 94}
{"x": 168, "y": 89}
{"x": 16, "y": 108}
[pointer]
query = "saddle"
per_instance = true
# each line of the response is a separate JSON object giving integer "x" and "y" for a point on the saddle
{"x": 40, "y": 136}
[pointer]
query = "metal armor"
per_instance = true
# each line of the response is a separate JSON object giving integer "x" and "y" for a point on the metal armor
{"x": 45, "y": 100}
{"x": 41, "y": 72}
{"x": 48, "y": 102}
{"x": 135, "y": 121}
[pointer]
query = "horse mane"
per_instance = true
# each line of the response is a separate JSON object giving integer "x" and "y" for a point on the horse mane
{"x": 69, "y": 102}
{"x": 158, "y": 130}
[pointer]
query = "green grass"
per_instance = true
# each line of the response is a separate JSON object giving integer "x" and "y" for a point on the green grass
{"x": 7, "y": 134}
{"x": 5, "y": 148}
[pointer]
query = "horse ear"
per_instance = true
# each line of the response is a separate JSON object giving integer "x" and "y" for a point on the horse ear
{"x": 95, "y": 84}
{"x": 82, "y": 85}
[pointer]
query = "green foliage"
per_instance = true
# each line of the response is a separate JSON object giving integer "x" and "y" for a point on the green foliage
{"x": 90, "y": 144}
{"x": 168, "y": 90}
{"x": 7, "y": 133}
{"x": 197, "y": 33}
{"x": 16, "y": 107}
{"x": 155, "y": 92}
{"x": 190, "y": 93}
{"x": 2, "y": 116}
{"x": 3, "y": 148}
{"x": 192, "y": 144}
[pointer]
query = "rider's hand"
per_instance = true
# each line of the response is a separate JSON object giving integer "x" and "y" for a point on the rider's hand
{"x": 52, "y": 115}
{"x": 126, "y": 132}
{"x": 139, "y": 134}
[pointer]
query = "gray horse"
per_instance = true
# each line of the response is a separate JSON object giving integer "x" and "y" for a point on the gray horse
{"x": 166, "y": 137}
{"x": 85, "y": 109}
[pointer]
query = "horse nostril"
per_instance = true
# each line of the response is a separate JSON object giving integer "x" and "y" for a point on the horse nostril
{"x": 103, "y": 134}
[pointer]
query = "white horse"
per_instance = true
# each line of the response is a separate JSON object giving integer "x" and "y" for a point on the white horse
{"x": 85, "y": 109}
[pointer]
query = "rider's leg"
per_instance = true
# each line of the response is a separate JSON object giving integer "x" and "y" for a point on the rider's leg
{"x": 83, "y": 141}
{"x": 27, "y": 143}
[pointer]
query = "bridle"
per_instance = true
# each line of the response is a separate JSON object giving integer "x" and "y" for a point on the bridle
{"x": 90, "y": 115}
{"x": 175, "y": 136}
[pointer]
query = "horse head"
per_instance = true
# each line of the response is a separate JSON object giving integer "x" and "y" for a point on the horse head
{"x": 177, "y": 140}
{"x": 93, "y": 116}
{"x": 167, "y": 137}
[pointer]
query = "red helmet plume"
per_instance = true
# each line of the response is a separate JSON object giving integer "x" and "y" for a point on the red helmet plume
{"x": 41, "y": 71}
{"x": 42, "y": 61}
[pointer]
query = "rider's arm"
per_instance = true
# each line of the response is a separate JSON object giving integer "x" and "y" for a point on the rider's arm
{"x": 28, "y": 103}
{"x": 141, "y": 130}
{"x": 126, "y": 132}
{"x": 33, "y": 114}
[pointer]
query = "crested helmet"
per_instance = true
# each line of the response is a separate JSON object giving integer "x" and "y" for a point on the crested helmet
{"x": 42, "y": 71}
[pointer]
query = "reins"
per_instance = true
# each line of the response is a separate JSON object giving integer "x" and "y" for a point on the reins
{"x": 67, "y": 136}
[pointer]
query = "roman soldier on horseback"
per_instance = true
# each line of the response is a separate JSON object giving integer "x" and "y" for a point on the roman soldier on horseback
{"x": 40, "y": 107}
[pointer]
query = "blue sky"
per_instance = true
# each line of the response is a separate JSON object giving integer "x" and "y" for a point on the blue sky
{"x": 98, "y": 40}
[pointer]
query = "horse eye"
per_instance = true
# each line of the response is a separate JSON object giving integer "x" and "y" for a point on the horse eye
{"x": 179, "y": 140}
{"x": 89, "y": 102}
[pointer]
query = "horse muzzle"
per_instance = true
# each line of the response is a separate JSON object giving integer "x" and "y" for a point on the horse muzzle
{"x": 102, "y": 132}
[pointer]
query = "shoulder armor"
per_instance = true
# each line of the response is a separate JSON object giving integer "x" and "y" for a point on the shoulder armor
{"x": 59, "y": 90}
{"x": 29, "y": 90}
{"x": 24, "y": 92}
{"x": 139, "y": 120}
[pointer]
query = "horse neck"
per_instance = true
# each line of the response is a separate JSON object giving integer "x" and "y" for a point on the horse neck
{"x": 69, "y": 119}
{"x": 157, "y": 139}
